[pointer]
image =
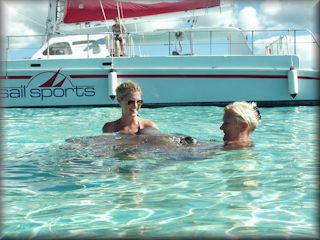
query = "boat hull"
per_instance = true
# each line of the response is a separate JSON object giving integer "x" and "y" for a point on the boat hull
{"x": 165, "y": 81}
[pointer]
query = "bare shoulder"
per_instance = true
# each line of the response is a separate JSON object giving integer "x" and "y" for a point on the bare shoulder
{"x": 109, "y": 127}
{"x": 146, "y": 123}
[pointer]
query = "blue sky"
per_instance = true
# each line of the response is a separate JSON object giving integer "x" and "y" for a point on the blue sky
{"x": 29, "y": 17}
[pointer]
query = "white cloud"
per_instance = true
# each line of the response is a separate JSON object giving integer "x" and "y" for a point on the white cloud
{"x": 24, "y": 17}
{"x": 287, "y": 14}
{"x": 282, "y": 15}
{"x": 271, "y": 8}
{"x": 248, "y": 19}
{"x": 276, "y": 14}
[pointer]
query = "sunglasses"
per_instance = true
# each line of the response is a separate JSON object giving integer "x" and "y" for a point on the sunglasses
{"x": 139, "y": 102}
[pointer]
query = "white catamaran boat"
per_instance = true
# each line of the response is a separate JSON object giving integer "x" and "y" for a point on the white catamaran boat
{"x": 189, "y": 65}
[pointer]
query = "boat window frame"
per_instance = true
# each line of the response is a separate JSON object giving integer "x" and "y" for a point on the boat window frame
{"x": 53, "y": 50}
{"x": 90, "y": 44}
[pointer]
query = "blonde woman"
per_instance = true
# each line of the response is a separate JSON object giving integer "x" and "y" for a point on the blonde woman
{"x": 129, "y": 97}
{"x": 119, "y": 30}
{"x": 239, "y": 121}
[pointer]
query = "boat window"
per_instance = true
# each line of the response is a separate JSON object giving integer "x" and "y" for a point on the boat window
{"x": 88, "y": 45}
{"x": 61, "y": 48}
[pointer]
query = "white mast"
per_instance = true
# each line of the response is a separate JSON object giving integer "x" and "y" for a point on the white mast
{"x": 55, "y": 16}
{"x": 51, "y": 18}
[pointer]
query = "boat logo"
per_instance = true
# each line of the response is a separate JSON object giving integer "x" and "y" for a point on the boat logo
{"x": 48, "y": 85}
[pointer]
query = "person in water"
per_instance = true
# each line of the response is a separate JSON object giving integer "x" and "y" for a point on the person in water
{"x": 239, "y": 121}
{"x": 118, "y": 30}
{"x": 129, "y": 97}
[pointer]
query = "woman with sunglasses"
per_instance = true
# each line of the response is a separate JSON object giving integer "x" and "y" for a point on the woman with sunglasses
{"x": 129, "y": 97}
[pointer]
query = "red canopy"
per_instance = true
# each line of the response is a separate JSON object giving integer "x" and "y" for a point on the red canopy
{"x": 90, "y": 10}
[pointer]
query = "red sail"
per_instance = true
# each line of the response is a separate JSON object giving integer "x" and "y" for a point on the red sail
{"x": 90, "y": 10}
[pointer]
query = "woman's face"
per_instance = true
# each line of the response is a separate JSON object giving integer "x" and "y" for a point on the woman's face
{"x": 131, "y": 104}
{"x": 230, "y": 127}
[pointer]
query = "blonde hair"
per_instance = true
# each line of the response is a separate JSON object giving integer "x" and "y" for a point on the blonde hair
{"x": 245, "y": 112}
{"x": 127, "y": 87}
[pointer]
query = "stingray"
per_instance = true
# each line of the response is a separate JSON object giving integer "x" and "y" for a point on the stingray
{"x": 149, "y": 143}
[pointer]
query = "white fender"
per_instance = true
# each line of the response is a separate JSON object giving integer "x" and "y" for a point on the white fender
{"x": 293, "y": 82}
{"x": 112, "y": 84}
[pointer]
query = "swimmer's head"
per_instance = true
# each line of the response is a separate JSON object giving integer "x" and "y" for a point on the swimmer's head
{"x": 126, "y": 88}
{"x": 245, "y": 113}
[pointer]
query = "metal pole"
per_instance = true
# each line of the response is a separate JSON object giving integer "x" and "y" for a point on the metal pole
{"x": 252, "y": 46}
{"x": 295, "y": 41}
{"x": 169, "y": 43}
{"x": 88, "y": 47}
{"x": 7, "y": 53}
{"x": 210, "y": 43}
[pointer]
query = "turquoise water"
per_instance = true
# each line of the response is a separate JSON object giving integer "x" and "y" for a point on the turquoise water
{"x": 269, "y": 190}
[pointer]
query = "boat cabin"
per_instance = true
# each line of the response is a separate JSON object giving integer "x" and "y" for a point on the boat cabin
{"x": 75, "y": 46}
{"x": 206, "y": 41}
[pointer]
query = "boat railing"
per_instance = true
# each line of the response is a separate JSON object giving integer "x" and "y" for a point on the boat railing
{"x": 287, "y": 44}
{"x": 167, "y": 43}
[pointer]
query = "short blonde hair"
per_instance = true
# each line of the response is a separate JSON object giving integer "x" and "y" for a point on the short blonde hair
{"x": 127, "y": 87}
{"x": 245, "y": 112}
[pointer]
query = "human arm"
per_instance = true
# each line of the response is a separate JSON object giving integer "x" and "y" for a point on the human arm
{"x": 123, "y": 28}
